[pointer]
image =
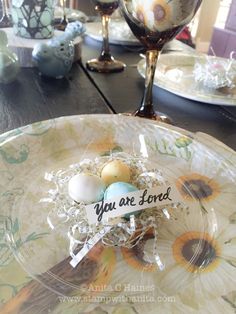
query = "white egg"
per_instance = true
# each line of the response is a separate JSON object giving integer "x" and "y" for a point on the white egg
{"x": 86, "y": 188}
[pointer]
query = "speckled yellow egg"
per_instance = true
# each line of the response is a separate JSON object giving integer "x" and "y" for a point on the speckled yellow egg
{"x": 115, "y": 171}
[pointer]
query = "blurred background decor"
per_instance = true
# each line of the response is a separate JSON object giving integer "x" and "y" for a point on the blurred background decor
{"x": 33, "y": 19}
{"x": 55, "y": 57}
{"x": 64, "y": 18}
{"x": 223, "y": 40}
{"x": 216, "y": 30}
{"x": 213, "y": 26}
{"x": 5, "y": 20}
{"x": 9, "y": 65}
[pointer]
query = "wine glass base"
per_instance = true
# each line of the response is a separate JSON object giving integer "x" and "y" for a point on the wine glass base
{"x": 5, "y": 21}
{"x": 61, "y": 26}
{"x": 158, "y": 116}
{"x": 112, "y": 66}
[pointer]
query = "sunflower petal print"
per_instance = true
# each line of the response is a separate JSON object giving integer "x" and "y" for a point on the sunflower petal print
{"x": 107, "y": 262}
{"x": 173, "y": 305}
{"x": 208, "y": 181}
{"x": 200, "y": 263}
{"x": 166, "y": 305}
{"x": 216, "y": 306}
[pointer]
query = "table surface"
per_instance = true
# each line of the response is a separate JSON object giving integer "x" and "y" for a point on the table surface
{"x": 124, "y": 92}
{"x": 33, "y": 98}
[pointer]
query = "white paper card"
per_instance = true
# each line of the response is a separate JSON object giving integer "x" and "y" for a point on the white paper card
{"x": 132, "y": 202}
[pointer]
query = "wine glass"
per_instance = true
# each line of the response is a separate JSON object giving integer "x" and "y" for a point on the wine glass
{"x": 5, "y": 20}
{"x": 61, "y": 26}
{"x": 154, "y": 23}
{"x": 105, "y": 63}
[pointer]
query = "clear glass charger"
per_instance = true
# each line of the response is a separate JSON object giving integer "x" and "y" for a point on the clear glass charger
{"x": 195, "y": 244}
{"x": 174, "y": 73}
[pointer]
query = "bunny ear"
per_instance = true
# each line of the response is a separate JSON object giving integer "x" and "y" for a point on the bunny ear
{"x": 3, "y": 39}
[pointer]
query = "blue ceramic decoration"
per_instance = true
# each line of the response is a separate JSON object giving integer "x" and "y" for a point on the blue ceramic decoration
{"x": 75, "y": 29}
{"x": 33, "y": 18}
{"x": 55, "y": 58}
{"x": 9, "y": 65}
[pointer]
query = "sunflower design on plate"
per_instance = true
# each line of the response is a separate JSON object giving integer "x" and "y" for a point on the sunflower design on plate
{"x": 199, "y": 262}
{"x": 174, "y": 304}
{"x": 162, "y": 305}
{"x": 92, "y": 274}
{"x": 137, "y": 270}
{"x": 207, "y": 180}
{"x": 137, "y": 257}
{"x": 198, "y": 257}
{"x": 106, "y": 258}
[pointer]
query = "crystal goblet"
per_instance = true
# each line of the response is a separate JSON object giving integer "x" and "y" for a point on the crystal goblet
{"x": 154, "y": 23}
{"x": 105, "y": 63}
{"x": 5, "y": 20}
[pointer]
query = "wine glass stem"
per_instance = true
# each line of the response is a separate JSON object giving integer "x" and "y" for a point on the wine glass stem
{"x": 64, "y": 9}
{"x": 105, "y": 53}
{"x": 146, "y": 109}
{"x": 4, "y": 7}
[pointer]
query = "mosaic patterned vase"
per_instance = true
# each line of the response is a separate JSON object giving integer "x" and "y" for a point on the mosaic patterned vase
{"x": 33, "y": 18}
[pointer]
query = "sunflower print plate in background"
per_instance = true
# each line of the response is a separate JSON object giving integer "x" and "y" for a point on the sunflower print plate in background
{"x": 175, "y": 74}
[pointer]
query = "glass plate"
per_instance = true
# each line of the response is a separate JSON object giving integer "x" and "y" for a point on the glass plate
{"x": 174, "y": 73}
{"x": 119, "y": 33}
{"x": 196, "y": 244}
{"x": 71, "y": 14}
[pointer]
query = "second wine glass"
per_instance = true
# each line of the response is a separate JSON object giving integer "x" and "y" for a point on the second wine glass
{"x": 105, "y": 63}
{"x": 61, "y": 26}
{"x": 154, "y": 23}
{"x": 5, "y": 20}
